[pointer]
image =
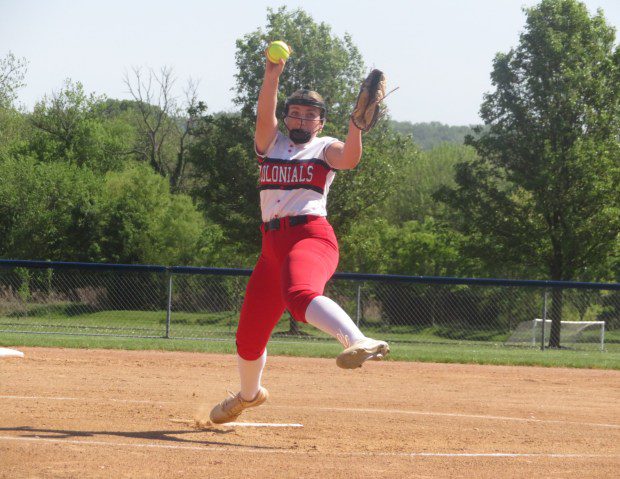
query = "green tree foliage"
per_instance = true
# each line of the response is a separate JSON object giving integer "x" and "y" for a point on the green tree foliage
{"x": 12, "y": 129}
{"x": 413, "y": 248}
{"x": 70, "y": 126}
{"x": 47, "y": 210}
{"x": 407, "y": 233}
{"x": 225, "y": 179}
{"x": 357, "y": 193}
{"x": 320, "y": 61}
{"x": 545, "y": 189}
{"x": 421, "y": 174}
{"x": 63, "y": 212}
{"x": 73, "y": 189}
{"x": 430, "y": 135}
{"x": 140, "y": 221}
{"x": 12, "y": 74}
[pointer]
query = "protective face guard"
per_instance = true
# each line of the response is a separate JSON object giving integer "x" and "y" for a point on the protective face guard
{"x": 299, "y": 136}
{"x": 302, "y": 135}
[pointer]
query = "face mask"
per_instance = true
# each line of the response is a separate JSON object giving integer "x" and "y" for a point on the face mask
{"x": 299, "y": 136}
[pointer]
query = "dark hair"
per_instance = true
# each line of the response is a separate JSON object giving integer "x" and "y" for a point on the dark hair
{"x": 308, "y": 98}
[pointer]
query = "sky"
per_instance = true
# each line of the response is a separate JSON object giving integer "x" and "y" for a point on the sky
{"x": 438, "y": 52}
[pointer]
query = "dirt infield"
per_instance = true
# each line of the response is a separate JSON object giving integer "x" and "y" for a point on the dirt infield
{"x": 96, "y": 413}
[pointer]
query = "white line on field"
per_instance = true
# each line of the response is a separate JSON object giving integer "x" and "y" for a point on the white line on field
{"x": 450, "y": 414}
{"x": 56, "y": 398}
{"x": 49, "y": 398}
{"x": 239, "y": 424}
{"x": 262, "y": 424}
{"x": 313, "y": 452}
{"x": 335, "y": 409}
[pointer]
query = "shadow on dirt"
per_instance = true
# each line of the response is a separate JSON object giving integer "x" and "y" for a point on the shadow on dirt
{"x": 168, "y": 435}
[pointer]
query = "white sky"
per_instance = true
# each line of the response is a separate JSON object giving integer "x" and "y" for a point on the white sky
{"x": 438, "y": 51}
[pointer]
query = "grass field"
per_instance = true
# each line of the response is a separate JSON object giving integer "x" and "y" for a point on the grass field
{"x": 57, "y": 326}
{"x": 464, "y": 352}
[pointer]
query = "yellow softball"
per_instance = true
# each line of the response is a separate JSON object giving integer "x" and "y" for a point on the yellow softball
{"x": 277, "y": 51}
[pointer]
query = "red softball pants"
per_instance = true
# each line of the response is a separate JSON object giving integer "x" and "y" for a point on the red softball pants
{"x": 293, "y": 267}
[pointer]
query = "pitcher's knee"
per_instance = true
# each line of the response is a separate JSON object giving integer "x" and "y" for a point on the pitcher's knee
{"x": 249, "y": 351}
{"x": 251, "y": 343}
{"x": 297, "y": 301}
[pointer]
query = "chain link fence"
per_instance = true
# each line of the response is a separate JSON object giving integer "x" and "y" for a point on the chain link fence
{"x": 204, "y": 303}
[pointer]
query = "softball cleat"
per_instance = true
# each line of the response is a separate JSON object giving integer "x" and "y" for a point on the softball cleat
{"x": 231, "y": 407}
{"x": 363, "y": 350}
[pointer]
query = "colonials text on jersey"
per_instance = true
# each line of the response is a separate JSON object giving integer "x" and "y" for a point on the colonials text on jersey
{"x": 292, "y": 174}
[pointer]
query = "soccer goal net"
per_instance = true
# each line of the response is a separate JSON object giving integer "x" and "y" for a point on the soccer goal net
{"x": 529, "y": 333}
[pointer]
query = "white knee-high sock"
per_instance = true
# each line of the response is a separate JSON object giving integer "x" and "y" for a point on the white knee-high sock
{"x": 250, "y": 373}
{"x": 326, "y": 315}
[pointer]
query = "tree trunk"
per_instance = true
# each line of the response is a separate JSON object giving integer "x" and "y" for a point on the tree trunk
{"x": 557, "y": 274}
{"x": 294, "y": 328}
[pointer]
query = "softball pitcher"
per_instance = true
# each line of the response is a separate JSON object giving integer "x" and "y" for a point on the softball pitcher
{"x": 299, "y": 249}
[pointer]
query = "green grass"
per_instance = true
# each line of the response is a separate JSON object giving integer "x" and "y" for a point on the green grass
{"x": 425, "y": 352}
{"x": 78, "y": 328}
{"x": 61, "y": 319}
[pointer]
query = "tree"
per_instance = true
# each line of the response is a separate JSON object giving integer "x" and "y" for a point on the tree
{"x": 142, "y": 222}
{"x": 13, "y": 131}
{"x": 224, "y": 180}
{"x": 63, "y": 212}
{"x": 421, "y": 174}
{"x": 430, "y": 135}
{"x": 48, "y": 211}
{"x": 165, "y": 127}
{"x": 357, "y": 193}
{"x": 413, "y": 248}
{"x": 12, "y": 74}
{"x": 71, "y": 126}
{"x": 545, "y": 188}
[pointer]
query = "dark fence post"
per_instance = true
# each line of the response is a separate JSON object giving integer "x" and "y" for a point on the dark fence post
{"x": 544, "y": 320}
{"x": 169, "y": 308}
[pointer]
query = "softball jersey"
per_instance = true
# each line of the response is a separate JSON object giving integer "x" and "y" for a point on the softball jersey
{"x": 294, "y": 179}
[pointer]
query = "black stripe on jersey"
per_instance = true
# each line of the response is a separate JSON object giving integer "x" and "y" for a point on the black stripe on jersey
{"x": 291, "y": 187}
{"x": 279, "y": 161}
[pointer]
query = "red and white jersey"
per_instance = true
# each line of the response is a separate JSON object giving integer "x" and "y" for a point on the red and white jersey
{"x": 294, "y": 179}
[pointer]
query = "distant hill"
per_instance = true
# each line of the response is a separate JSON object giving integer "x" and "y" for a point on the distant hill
{"x": 429, "y": 135}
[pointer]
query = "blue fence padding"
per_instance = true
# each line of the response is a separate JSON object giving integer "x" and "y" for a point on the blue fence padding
{"x": 10, "y": 263}
{"x": 210, "y": 271}
{"x": 19, "y": 263}
{"x": 477, "y": 281}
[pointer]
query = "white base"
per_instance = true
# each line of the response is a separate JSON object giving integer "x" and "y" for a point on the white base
{"x": 10, "y": 353}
